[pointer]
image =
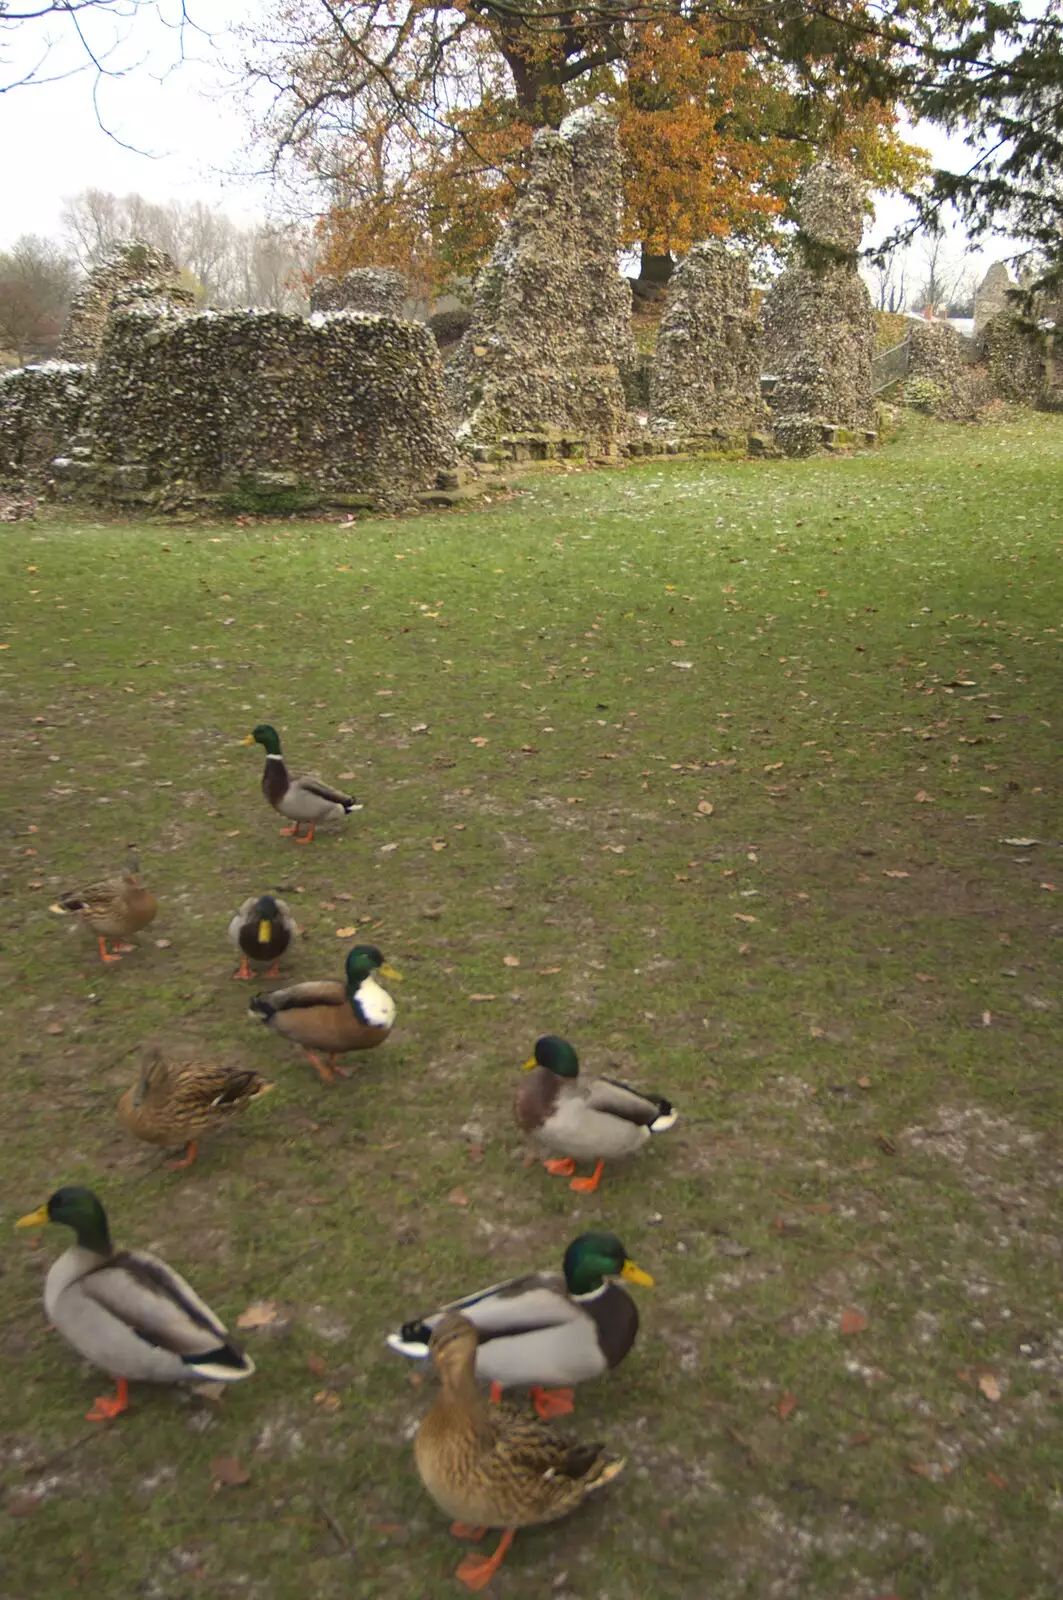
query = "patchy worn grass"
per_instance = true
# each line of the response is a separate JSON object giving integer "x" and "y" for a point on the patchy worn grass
{"x": 843, "y": 975}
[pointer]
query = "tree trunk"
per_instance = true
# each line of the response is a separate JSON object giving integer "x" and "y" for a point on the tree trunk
{"x": 656, "y": 269}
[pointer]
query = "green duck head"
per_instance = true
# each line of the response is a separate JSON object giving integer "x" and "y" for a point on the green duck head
{"x": 556, "y": 1055}
{"x": 75, "y": 1208}
{"x": 265, "y": 736}
{"x": 593, "y": 1258}
{"x": 364, "y": 961}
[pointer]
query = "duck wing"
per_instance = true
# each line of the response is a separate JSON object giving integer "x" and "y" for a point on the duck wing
{"x": 619, "y": 1100}
{"x": 528, "y": 1304}
{"x": 323, "y": 790}
{"x": 301, "y": 996}
{"x": 157, "y": 1304}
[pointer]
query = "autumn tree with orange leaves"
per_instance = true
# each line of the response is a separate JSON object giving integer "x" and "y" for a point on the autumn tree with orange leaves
{"x": 413, "y": 120}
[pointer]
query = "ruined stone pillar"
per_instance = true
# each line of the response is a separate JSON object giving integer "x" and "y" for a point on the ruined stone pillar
{"x": 819, "y": 328}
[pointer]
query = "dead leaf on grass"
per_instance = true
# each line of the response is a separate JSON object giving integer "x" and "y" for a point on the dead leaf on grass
{"x": 511, "y": 961}
{"x": 476, "y": 1154}
{"x": 989, "y": 1386}
{"x": 896, "y": 874}
{"x": 316, "y": 1365}
{"x": 706, "y": 808}
{"x": 786, "y": 1406}
{"x": 327, "y": 1400}
{"x": 346, "y": 933}
{"x": 997, "y": 1482}
{"x": 1021, "y": 844}
{"x": 479, "y": 741}
{"x": 987, "y": 1019}
{"x": 458, "y": 1197}
{"x": 439, "y": 844}
{"x": 483, "y": 997}
{"x": 229, "y": 1473}
{"x": 924, "y": 799}
{"x": 852, "y": 1321}
{"x": 742, "y": 916}
{"x": 259, "y": 1314}
{"x": 863, "y": 1083}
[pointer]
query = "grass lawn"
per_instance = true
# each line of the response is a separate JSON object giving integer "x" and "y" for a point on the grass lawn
{"x": 843, "y": 973}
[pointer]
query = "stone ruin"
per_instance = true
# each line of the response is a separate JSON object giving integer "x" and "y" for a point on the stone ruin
{"x": 132, "y": 272}
{"x": 538, "y": 372}
{"x": 705, "y": 379}
{"x": 382, "y": 290}
{"x": 263, "y": 411}
{"x": 992, "y": 295}
{"x": 819, "y": 328}
{"x": 1016, "y": 356}
{"x": 940, "y": 379}
{"x": 41, "y": 410}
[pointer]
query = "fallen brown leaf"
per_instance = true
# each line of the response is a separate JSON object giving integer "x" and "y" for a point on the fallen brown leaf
{"x": 346, "y": 933}
{"x": 483, "y": 997}
{"x": 258, "y": 1315}
{"x": 742, "y": 916}
{"x": 476, "y": 1154}
{"x": 511, "y": 961}
{"x": 458, "y": 1197}
{"x": 863, "y": 1083}
{"x": 706, "y": 808}
{"x": 852, "y": 1321}
{"x": 229, "y": 1473}
{"x": 896, "y": 874}
{"x": 316, "y": 1365}
{"x": 989, "y": 1386}
{"x": 787, "y": 1406}
{"x": 327, "y": 1400}
{"x": 439, "y": 844}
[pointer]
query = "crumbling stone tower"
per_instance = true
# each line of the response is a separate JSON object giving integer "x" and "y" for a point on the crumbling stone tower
{"x": 819, "y": 329}
{"x": 551, "y": 319}
{"x": 131, "y": 273}
{"x": 705, "y": 380}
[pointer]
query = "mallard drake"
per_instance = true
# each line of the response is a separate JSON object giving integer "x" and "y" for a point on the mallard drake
{"x": 128, "y": 1312}
{"x": 583, "y": 1120}
{"x": 496, "y": 1466}
{"x": 262, "y": 931}
{"x": 177, "y": 1102}
{"x": 114, "y": 909}
{"x": 331, "y": 1016}
{"x": 306, "y": 799}
{"x": 547, "y": 1328}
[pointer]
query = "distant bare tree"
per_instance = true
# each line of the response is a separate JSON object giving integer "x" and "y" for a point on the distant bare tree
{"x": 261, "y": 265}
{"x": 37, "y": 281}
{"x": 942, "y": 275}
{"x": 889, "y": 282}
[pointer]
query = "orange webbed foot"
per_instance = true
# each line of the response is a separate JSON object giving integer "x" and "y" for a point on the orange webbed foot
{"x": 308, "y": 838}
{"x": 103, "y": 951}
{"x": 107, "y": 1406}
{"x": 191, "y": 1151}
{"x": 560, "y": 1169}
{"x": 466, "y": 1530}
{"x": 324, "y": 1073}
{"x": 274, "y": 972}
{"x": 292, "y": 832}
{"x": 476, "y": 1572}
{"x": 550, "y": 1403}
{"x": 244, "y": 971}
{"x": 496, "y": 1393}
{"x": 588, "y": 1185}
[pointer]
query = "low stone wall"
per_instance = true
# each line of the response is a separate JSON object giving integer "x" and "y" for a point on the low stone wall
{"x": 940, "y": 379}
{"x": 41, "y": 409}
{"x": 264, "y": 411}
{"x": 382, "y": 290}
{"x": 705, "y": 379}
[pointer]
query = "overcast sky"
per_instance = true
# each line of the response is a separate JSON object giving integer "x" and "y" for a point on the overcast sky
{"x": 187, "y": 123}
